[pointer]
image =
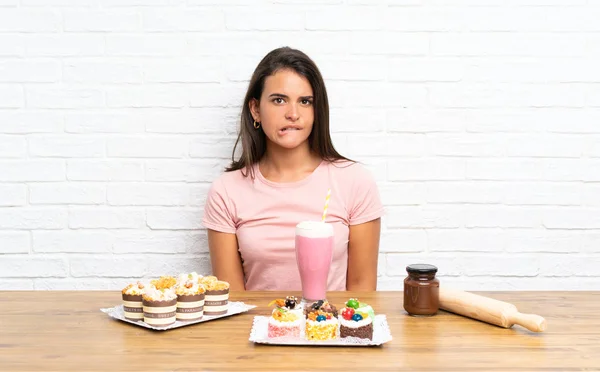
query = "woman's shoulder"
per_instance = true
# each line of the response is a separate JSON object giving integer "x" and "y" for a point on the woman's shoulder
{"x": 349, "y": 170}
{"x": 230, "y": 180}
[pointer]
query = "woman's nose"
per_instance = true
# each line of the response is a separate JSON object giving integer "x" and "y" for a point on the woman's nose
{"x": 292, "y": 113}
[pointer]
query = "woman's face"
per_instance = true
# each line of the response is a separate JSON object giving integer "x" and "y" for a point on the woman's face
{"x": 285, "y": 110}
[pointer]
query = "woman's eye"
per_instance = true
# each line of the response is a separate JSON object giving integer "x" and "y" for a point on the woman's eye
{"x": 278, "y": 100}
{"x": 306, "y": 102}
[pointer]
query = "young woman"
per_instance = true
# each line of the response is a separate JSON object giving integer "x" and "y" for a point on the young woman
{"x": 287, "y": 165}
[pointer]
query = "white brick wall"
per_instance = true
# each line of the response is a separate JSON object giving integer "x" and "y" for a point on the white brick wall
{"x": 480, "y": 120}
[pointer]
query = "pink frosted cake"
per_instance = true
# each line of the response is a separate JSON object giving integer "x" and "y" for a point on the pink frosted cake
{"x": 286, "y": 319}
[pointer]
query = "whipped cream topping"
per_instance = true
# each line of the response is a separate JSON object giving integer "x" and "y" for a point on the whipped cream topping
{"x": 355, "y": 324}
{"x": 135, "y": 289}
{"x": 153, "y": 294}
{"x": 331, "y": 321}
{"x": 189, "y": 287}
{"x": 183, "y": 277}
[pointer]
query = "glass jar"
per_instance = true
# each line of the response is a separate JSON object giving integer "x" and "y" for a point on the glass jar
{"x": 421, "y": 290}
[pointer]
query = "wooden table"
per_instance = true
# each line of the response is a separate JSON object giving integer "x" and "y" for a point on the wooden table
{"x": 65, "y": 331}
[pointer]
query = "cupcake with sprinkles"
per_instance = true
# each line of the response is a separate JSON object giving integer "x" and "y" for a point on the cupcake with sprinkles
{"x": 285, "y": 319}
{"x": 160, "y": 306}
{"x": 132, "y": 301}
{"x": 190, "y": 298}
{"x": 356, "y": 320}
{"x": 321, "y": 321}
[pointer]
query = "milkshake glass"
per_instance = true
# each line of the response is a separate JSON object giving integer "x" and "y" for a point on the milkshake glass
{"x": 314, "y": 251}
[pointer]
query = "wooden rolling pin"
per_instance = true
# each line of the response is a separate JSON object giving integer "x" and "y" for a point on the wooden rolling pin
{"x": 488, "y": 310}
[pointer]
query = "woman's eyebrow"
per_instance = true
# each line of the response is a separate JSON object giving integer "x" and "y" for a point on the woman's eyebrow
{"x": 279, "y": 95}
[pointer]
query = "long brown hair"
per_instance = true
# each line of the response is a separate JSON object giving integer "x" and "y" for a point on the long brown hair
{"x": 254, "y": 142}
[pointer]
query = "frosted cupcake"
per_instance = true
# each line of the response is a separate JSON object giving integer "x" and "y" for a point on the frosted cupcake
{"x": 216, "y": 300}
{"x": 164, "y": 282}
{"x": 285, "y": 320}
{"x": 160, "y": 307}
{"x": 193, "y": 276}
{"x": 321, "y": 322}
{"x": 190, "y": 299}
{"x": 356, "y": 320}
{"x": 132, "y": 301}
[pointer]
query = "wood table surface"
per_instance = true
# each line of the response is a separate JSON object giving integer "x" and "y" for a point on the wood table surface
{"x": 65, "y": 331}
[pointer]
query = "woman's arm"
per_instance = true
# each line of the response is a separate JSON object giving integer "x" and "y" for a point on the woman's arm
{"x": 225, "y": 259}
{"x": 363, "y": 250}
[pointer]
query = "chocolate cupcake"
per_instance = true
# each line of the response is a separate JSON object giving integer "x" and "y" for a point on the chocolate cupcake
{"x": 160, "y": 307}
{"x": 132, "y": 301}
{"x": 356, "y": 320}
{"x": 216, "y": 301}
{"x": 190, "y": 300}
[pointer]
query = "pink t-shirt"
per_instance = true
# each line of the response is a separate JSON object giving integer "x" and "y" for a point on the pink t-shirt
{"x": 263, "y": 214}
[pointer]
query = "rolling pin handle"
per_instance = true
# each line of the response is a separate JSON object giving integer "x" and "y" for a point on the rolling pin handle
{"x": 532, "y": 322}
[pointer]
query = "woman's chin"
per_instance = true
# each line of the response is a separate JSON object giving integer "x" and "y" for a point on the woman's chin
{"x": 290, "y": 144}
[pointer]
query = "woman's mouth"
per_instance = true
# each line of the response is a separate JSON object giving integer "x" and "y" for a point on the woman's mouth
{"x": 286, "y": 130}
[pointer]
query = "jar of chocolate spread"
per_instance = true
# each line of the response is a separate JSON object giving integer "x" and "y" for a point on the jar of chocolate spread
{"x": 421, "y": 290}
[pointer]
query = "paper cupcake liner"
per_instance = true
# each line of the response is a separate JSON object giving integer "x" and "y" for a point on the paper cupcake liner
{"x": 234, "y": 309}
{"x": 160, "y": 313}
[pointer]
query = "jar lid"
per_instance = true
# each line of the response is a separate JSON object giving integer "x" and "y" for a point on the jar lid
{"x": 421, "y": 269}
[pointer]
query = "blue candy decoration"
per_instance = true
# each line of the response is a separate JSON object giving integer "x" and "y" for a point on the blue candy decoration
{"x": 357, "y": 317}
{"x": 321, "y": 318}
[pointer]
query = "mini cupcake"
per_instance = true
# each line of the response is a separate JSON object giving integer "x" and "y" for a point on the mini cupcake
{"x": 285, "y": 319}
{"x": 160, "y": 307}
{"x": 216, "y": 301}
{"x": 321, "y": 321}
{"x": 190, "y": 300}
{"x": 165, "y": 282}
{"x": 132, "y": 301}
{"x": 354, "y": 323}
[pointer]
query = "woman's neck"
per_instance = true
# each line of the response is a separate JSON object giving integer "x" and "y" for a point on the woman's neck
{"x": 285, "y": 165}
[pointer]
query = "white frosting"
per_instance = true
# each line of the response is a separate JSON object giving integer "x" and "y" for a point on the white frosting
{"x": 158, "y": 295}
{"x": 295, "y": 323}
{"x": 194, "y": 289}
{"x": 193, "y": 276}
{"x": 331, "y": 321}
{"x": 314, "y": 229}
{"x": 354, "y": 324}
{"x": 134, "y": 288}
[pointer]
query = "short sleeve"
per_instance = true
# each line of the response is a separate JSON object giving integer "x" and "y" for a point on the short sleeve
{"x": 365, "y": 202}
{"x": 217, "y": 213}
